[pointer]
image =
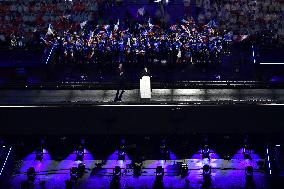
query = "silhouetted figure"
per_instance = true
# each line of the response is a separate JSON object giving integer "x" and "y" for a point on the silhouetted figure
{"x": 120, "y": 77}
{"x": 145, "y": 72}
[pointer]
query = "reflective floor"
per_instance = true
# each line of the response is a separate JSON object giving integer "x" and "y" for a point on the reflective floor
{"x": 38, "y": 97}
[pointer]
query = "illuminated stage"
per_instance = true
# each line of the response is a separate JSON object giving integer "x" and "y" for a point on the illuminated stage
{"x": 69, "y": 97}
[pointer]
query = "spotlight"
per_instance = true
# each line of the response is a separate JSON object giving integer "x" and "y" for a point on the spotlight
{"x": 81, "y": 169}
{"x": 249, "y": 173}
{"x": 121, "y": 154}
{"x": 184, "y": 170}
{"x": 117, "y": 171}
{"x": 159, "y": 173}
{"x": 164, "y": 150}
{"x": 246, "y": 148}
{"x": 207, "y": 170}
{"x": 31, "y": 174}
{"x": 121, "y": 150}
{"x": 206, "y": 175}
{"x": 137, "y": 169}
{"x": 249, "y": 177}
{"x": 205, "y": 152}
{"x": 247, "y": 151}
{"x": 73, "y": 173}
{"x": 115, "y": 182}
{"x": 39, "y": 153}
{"x": 80, "y": 153}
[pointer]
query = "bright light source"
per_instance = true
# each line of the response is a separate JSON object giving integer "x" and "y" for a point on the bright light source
{"x": 5, "y": 161}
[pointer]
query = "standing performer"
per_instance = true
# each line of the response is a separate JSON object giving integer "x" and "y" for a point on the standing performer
{"x": 145, "y": 72}
{"x": 120, "y": 78}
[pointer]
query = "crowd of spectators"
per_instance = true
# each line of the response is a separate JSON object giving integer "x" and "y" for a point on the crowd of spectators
{"x": 24, "y": 18}
{"x": 244, "y": 16}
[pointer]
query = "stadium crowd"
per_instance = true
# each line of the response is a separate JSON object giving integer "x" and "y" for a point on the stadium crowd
{"x": 25, "y": 19}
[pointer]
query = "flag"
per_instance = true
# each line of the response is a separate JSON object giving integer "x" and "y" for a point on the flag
{"x": 212, "y": 24}
{"x": 83, "y": 24}
{"x": 183, "y": 27}
{"x": 228, "y": 36}
{"x": 91, "y": 35}
{"x": 150, "y": 24}
{"x": 128, "y": 42}
{"x": 116, "y": 25}
{"x": 106, "y": 27}
{"x": 141, "y": 11}
{"x": 173, "y": 27}
{"x": 50, "y": 30}
{"x": 239, "y": 38}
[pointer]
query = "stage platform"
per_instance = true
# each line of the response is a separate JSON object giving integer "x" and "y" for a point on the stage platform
{"x": 132, "y": 97}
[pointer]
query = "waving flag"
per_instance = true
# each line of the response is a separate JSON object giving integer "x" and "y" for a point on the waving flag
{"x": 116, "y": 25}
{"x": 128, "y": 42}
{"x": 150, "y": 24}
{"x": 228, "y": 36}
{"x": 173, "y": 27}
{"x": 183, "y": 27}
{"x": 83, "y": 24}
{"x": 50, "y": 30}
{"x": 106, "y": 27}
{"x": 91, "y": 35}
{"x": 141, "y": 11}
{"x": 239, "y": 38}
{"x": 212, "y": 24}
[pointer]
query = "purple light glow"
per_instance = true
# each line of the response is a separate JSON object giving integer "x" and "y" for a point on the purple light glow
{"x": 212, "y": 154}
{"x": 88, "y": 155}
{"x": 240, "y": 155}
{"x": 38, "y": 165}
{"x": 172, "y": 155}
{"x": 112, "y": 160}
{"x": 114, "y": 156}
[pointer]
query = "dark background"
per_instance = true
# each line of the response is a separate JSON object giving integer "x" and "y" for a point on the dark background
{"x": 87, "y": 120}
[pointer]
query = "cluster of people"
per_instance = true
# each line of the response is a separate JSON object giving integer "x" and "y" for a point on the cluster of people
{"x": 143, "y": 43}
{"x": 25, "y": 18}
{"x": 244, "y": 16}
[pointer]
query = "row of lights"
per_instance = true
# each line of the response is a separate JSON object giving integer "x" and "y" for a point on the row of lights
{"x": 78, "y": 172}
{"x": 10, "y": 149}
{"x": 268, "y": 161}
{"x": 269, "y": 158}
